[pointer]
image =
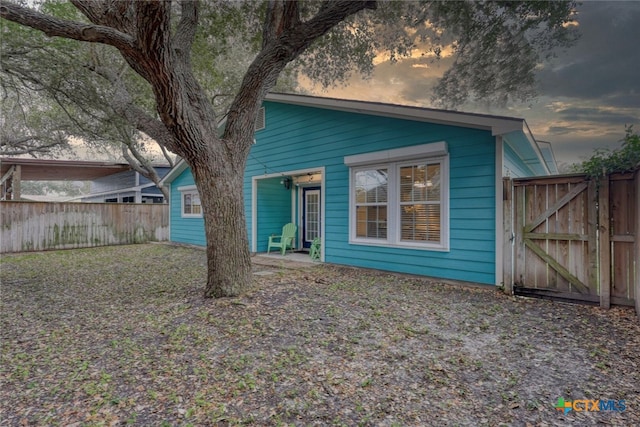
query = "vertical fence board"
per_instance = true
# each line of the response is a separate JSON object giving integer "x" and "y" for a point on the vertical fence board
{"x": 38, "y": 226}
{"x": 519, "y": 206}
{"x": 563, "y": 225}
{"x": 605, "y": 243}
{"x": 592, "y": 230}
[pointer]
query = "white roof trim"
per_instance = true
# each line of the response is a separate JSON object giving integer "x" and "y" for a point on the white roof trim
{"x": 174, "y": 172}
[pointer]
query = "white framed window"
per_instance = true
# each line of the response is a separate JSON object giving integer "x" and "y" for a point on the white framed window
{"x": 370, "y": 204}
{"x": 400, "y": 202}
{"x": 191, "y": 206}
{"x": 420, "y": 203}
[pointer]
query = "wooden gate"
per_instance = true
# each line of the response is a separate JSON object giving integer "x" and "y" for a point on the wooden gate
{"x": 572, "y": 238}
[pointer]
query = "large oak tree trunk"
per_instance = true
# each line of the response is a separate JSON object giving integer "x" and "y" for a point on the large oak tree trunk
{"x": 228, "y": 258}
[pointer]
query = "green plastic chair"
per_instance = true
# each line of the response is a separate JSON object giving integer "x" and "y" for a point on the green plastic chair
{"x": 314, "y": 250}
{"x": 285, "y": 240}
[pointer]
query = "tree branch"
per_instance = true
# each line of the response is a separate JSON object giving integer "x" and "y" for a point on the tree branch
{"x": 277, "y": 52}
{"x": 15, "y": 147}
{"x": 141, "y": 165}
{"x": 123, "y": 104}
{"x": 153, "y": 33}
{"x": 281, "y": 15}
{"x": 53, "y": 27}
{"x": 112, "y": 13}
{"x": 186, "y": 29}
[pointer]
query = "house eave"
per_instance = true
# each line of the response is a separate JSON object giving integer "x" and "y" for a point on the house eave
{"x": 180, "y": 167}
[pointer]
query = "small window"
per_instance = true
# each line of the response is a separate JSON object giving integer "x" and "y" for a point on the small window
{"x": 129, "y": 199}
{"x": 261, "y": 122}
{"x": 191, "y": 206}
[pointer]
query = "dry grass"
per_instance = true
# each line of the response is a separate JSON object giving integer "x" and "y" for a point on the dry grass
{"x": 121, "y": 335}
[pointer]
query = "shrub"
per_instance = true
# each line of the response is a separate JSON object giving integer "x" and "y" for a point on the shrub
{"x": 624, "y": 159}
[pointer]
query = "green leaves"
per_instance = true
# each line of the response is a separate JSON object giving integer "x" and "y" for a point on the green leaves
{"x": 624, "y": 159}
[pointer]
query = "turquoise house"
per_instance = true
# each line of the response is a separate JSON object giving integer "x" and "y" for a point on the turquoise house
{"x": 390, "y": 187}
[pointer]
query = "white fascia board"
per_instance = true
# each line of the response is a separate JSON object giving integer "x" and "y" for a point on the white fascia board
{"x": 534, "y": 144}
{"x": 547, "y": 152}
{"x": 174, "y": 172}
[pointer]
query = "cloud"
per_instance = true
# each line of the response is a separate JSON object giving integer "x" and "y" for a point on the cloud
{"x": 599, "y": 115}
{"x": 604, "y": 61}
{"x": 588, "y": 94}
{"x": 567, "y": 129}
{"x": 570, "y": 148}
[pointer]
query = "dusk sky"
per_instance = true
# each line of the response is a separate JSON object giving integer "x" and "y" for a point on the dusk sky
{"x": 587, "y": 95}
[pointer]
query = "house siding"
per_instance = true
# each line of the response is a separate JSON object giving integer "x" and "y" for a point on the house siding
{"x": 514, "y": 167}
{"x": 297, "y": 138}
{"x": 115, "y": 182}
{"x": 184, "y": 230}
{"x": 274, "y": 205}
{"x": 160, "y": 170}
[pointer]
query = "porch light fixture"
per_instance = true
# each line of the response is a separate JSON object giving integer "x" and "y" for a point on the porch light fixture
{"x": 286, "y": 182}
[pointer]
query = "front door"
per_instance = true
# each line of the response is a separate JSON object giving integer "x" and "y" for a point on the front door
{"x": 310, "y": 215}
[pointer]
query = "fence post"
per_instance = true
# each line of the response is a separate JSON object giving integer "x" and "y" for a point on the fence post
{"x": 637, "y": 243}
{"x": 16, "y": 186}
{"x": 604, "y": 242}
{"x": 508, "y": 236}
{"x": 592, "y": 233}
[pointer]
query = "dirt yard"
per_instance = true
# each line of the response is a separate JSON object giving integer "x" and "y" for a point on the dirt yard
{"x": 122, "y": 336}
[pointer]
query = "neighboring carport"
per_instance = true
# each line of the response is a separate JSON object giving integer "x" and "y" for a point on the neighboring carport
{"x": 15, "y": 170}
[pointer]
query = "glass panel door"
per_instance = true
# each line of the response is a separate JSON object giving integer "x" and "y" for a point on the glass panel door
{"x": 311, "y": 215}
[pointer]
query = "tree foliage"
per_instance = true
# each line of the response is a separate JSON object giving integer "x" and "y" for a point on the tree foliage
{"x": 624, "y": 159}
{"x": 69, "y": 90}
{"x": 27, "y": 128}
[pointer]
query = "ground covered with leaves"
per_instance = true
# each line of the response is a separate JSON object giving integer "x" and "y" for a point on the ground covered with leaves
{"x": 122, "y": 335}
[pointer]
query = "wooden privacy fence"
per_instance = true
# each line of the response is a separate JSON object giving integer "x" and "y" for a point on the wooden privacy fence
{"x": 39, "y": 226}
{"x": 571, "y": 238}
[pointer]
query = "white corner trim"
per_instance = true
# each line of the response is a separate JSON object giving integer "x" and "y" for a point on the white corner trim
{"x": 433, "y": 149}
{"x": 254, "y": 214}
{"x": 499, "y": 238}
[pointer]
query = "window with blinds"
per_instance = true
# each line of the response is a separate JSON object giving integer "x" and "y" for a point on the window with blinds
{"x": 401, "y": 203}
{"x": 371, "y": 203}
{"x": 420, "y": 203}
